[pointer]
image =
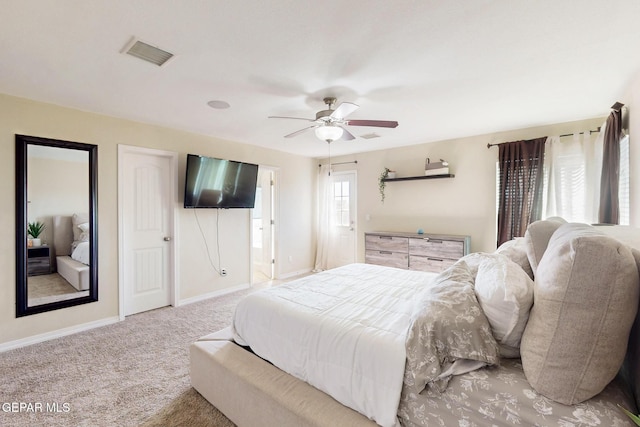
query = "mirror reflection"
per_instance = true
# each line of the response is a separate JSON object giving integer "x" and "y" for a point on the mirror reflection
{"x": 57, "y": 224}
{"x": 56, "y": 243}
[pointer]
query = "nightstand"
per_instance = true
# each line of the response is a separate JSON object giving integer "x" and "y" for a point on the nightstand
{"x": 38, "y": 260}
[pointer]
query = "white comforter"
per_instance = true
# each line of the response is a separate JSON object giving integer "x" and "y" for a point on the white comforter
{"x": 342, "y": 331}
{"x": 81, "y": 253}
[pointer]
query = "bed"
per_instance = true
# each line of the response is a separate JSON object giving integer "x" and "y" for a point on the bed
{"x": 420, "y": 351}
{"x": 71, "y": 246}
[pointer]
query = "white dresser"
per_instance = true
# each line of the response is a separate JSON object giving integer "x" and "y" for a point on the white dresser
{"x": 423, "y": 252}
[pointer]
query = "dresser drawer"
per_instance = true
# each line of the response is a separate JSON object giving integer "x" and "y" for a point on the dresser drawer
{"x": 434, "y": 265}
{"x": 436, "y": 248}
{"x": 387, "y": 258}
{"x": 386, "y": 243}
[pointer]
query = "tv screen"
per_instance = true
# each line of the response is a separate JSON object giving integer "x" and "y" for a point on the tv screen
{"x": 218, "y": 183}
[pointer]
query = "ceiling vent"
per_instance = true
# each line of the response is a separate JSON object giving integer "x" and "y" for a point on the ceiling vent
{"x": 370, "y": 135}
{"x": 146, "y": 52}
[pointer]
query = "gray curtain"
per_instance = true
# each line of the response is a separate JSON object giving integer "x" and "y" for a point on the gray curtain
{"x": 609, "y": 212}
{"x": 520, "y": 200}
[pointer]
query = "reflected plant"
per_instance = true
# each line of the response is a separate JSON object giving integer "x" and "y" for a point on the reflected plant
{"x": 34, "y": 229}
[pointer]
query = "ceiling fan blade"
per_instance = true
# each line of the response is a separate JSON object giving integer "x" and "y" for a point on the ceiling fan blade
{"x": 298, "y": 132}
{"x": 346, "y": 135}
{"x": 375, "y": 123}
{"x": 295, "y": 118}
{"x": 343, "y": 110}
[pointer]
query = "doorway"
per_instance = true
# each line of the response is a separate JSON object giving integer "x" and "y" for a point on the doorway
{"x": 342, "y": 234}
{"x": 147, "y": 196}
{"x": 263, "y": 227}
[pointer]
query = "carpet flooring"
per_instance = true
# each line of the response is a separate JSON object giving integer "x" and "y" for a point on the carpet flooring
{"x": 132, "y": 373}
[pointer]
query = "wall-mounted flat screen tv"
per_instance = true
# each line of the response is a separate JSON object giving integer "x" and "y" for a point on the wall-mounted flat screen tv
{"x": 218, "y": 183}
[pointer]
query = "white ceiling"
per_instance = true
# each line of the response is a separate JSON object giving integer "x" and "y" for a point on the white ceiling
{"x": 441, "y": 68}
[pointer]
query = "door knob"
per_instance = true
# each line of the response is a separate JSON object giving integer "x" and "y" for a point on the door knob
{"x": 167, "y": 239}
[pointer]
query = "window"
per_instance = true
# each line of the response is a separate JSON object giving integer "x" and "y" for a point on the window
{"x": 341, "y": 203}
{"x": 571, "y": 185}
{"x": 623, "y": 189}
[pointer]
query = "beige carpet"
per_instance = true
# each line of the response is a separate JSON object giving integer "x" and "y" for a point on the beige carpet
{"x": 133, "y": 373}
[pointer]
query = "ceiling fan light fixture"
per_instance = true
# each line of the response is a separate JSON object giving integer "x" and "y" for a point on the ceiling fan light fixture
{"x": 329, "y": 133}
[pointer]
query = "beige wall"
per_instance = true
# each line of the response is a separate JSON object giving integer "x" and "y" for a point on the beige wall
{"x": 295, "y": 236}
{"x": 56, "y": 187}
{"x": 464, "y": 205}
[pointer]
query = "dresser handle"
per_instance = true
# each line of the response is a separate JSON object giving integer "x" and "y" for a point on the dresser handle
{"x": 386, "y": 237}
{"x": 385, "y": 252}
{"x": 436, "y": 259}
{"x": 435, "y": 241}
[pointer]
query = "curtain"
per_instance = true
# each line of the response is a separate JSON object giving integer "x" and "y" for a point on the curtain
{"x": 323, "y": 226}
{"x": 520, "y": 180}
{"x": 572, "y": 169}
{"x": 609, "y": 212}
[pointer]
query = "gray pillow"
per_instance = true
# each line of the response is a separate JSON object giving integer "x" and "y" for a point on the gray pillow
{"x": 537, "y": 237}
{"x": 585, "y": 300}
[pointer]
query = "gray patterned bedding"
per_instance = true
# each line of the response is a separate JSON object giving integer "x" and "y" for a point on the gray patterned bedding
{"x": 562, "y": 365}
{"x": 502, "y": 396}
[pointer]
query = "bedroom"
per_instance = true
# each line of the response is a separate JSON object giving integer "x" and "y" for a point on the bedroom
{"x": 446, "y": 205}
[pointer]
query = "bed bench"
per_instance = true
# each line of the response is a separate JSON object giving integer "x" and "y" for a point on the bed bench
{"x": 221, "y": 371}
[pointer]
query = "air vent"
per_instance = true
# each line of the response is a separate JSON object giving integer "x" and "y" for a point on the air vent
{"x": 370, "y": 135}
{"x": 146, "y": 52}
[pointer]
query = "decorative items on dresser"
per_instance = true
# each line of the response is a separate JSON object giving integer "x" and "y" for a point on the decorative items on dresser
{"x": 412, "y": 251}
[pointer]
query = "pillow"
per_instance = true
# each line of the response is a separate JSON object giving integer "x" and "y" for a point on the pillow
{"x": 84, "y": 232}
{"x": 505, "y": 293}
{"x": 516, "y": 251}
{"x": 76, "y": 220}
{"x": 586, "y": 297}
{"x": 537, "y": 238}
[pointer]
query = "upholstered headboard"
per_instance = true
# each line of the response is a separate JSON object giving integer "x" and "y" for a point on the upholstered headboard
{"x": 62, "y": 235}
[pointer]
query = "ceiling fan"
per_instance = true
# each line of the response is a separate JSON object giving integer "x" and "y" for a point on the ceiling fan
{"x": 329, "y": 123}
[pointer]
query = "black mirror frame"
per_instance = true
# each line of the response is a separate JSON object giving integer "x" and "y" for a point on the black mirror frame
{"x": 22, "y": 303}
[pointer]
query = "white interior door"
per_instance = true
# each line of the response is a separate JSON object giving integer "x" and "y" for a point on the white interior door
{"x": 147, "y": 231}
{"x": 263, "y": 227}
{"x": 343, "y": 225}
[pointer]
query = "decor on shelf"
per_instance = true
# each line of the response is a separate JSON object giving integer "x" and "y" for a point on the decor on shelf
{"x": 436, "y": 168}
{"x": 34, "y": 229}
{"x": 386, "y": 173}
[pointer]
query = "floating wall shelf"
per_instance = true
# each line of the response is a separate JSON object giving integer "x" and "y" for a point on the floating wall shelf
{"x": 412, "y": 178}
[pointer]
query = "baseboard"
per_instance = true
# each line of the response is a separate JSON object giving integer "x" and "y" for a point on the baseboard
{"x": 294, "y": 274}
{"x": 212, "y": 294}
{"x": 23, "y": 342}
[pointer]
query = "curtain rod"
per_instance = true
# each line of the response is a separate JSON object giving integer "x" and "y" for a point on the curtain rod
{"x": 561, "y": 136}
{"x": 341, "y": 163}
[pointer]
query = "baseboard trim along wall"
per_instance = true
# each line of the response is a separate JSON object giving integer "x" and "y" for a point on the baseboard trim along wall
{"x": 212, "y": 294}
{"x": 294, "y": 274}
{"x": 57, "y": 334}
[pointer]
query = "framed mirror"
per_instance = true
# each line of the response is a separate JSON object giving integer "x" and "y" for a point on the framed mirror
{"x": 56, "y": 224}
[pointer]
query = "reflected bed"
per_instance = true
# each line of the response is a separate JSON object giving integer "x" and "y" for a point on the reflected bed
{"x": 75, "y": 272}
